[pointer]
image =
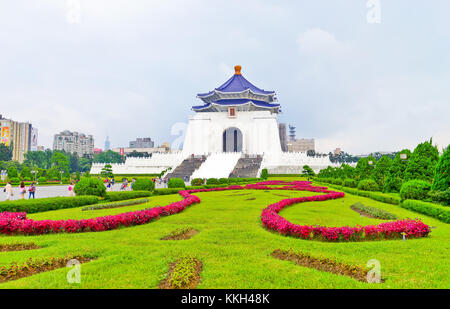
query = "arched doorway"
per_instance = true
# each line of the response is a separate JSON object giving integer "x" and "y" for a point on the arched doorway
{"x": 232, "y": 140}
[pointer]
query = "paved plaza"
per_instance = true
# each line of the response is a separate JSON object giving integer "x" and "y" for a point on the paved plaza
{"x": 52, "y": 191}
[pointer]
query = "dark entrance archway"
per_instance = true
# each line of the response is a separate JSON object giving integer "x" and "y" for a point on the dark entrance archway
{"x": 232, "y": 140}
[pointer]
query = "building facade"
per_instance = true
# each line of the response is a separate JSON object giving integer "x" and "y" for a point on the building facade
{"x": 74, "y": 142}
{"x": 145, "y": 142}
{"x": 301, "y": 145}
{"x": 107, "y": 144}
{"x": 21, "y": 135}
{"x": 283, "y": 136}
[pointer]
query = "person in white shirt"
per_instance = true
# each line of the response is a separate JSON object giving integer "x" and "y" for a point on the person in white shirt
{"x": 9, "y": 191}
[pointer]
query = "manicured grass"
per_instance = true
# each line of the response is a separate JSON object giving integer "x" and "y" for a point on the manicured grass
{"x": 234, "y": 248}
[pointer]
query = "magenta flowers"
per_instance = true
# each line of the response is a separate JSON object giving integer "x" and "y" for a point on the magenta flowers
{"x": 17, "y": 223}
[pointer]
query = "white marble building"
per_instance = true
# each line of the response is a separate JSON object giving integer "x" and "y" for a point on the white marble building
{"x": 235, "y": 120}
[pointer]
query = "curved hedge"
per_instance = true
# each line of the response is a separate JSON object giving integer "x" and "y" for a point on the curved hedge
{"x": 126, "y": 195}
{"x": 368, "y": 185}
{"x": 46, "y": 204}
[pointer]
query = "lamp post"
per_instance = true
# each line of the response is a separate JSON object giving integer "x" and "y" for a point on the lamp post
{"x": 34, "y": 172}
{"x": 403, "y": 156}
{"x": 61, "y": 172}
{"x": 3, "y": 174}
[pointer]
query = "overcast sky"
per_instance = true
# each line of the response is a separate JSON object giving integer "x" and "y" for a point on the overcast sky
{"x": 132, "y": 69}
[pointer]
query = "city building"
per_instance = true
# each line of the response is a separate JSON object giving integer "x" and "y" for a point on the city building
{"x": 233, "y": 133}
{"x": 301, "y": 145}
{"x": 145, "y": 142}
{"x": 291, "y": 133}
{"x": 40, "y": 148}
{"x": 283, "y": 136}
{"x": 74, "y": 142}
{"x": 337, "y": 151}
{"x": 21, "y": 135}
{"x": 97, "y": 150}
{"x": 107, "y": 144}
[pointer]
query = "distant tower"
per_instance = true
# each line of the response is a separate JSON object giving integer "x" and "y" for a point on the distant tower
{"x": 292, "y": 133}
{"x": 107, "y": 144}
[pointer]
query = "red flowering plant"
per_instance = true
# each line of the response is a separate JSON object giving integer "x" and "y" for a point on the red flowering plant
{"x": 17, "y": 223}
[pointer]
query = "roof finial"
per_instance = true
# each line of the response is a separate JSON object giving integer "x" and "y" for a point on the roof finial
{"x": 237, "y": 70}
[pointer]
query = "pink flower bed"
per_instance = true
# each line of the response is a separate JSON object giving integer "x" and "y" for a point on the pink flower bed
{"x": 17, "y": 223}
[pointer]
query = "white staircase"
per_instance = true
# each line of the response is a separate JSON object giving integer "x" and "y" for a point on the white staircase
{"x": 217, "y": 165}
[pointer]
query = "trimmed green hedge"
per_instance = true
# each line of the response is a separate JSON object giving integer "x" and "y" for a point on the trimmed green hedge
{"x": 441, "y": 213}
{"x": 116, "y": 204}
{"x": 143, "y": 184}
{"x": 126, "y": 195}
{"x": 378, "y": 196}
{"x": 46, "y": 204}
{"x": 415, "y": 190}
{"x": 167, "y": 191}
{"x": 368, "y": 185}
{"x": 176, "y": 183}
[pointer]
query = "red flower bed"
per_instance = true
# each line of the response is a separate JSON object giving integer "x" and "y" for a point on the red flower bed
{"x": 17, "y": 223}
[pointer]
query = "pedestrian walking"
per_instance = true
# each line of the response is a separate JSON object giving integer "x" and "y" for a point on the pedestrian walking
{"x": 9, "y": 191}
{"x": 70, "y": 188}
{"x": 31, "y": 190}
{"x": 22, "y": 190}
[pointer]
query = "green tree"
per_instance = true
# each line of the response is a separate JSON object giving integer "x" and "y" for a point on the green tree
{"x": 308, "y": 171}
{"x": 26, "y": 173}
{"x": 381, "y": 169}
{"x": 12, "y": 172}
{"x": 108, "y": 157}
{"x": 85, "y": 164}
{"x": 107, "y": 171}
{"x": 74, "y": 162}
{"x": 423, "y": 162}
{"x": 396, "y": 172}
{"x": 264, "y": 174}
{"x": 5, "y": 152}
{"x": 347, "y": 171}
{"x": 365, "y": 167}
{"x": 441, "y": 181}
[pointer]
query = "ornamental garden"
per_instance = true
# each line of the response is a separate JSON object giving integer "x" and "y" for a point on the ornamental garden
{"x": 382, "y": 224}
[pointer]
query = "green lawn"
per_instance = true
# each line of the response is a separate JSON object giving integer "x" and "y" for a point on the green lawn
{"x": 234, "y": 248}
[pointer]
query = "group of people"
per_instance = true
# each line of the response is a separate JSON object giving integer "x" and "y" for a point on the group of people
{"x": 8, "y": 189}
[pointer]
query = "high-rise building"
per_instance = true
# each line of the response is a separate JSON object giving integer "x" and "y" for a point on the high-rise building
{"x": 21, "y": 135}
{"x": 301, "y": 145}
{"x": 74, "y": 142}
{"x": 291, "y": 133}
{"x": 145, "y": 142}
{"x": 107, "y": 144}
{"x": 283, "y": 136}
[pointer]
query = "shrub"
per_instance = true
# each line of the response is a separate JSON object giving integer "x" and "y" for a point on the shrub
{"x": 42, "y": 179}
{"x": 423, "y": 162}
{"x": 441, "y": 180}
{"x": 351, "y": 183}
{"x": 376, "y": 212}
{"x": 368, "y": 185}
{"x": 167, "y": 191}
{"x": 46, "y": 204}
{"x": 197, "y": 182}
{"x": 442, "y": 197}
{"x": 441, "y": 213}
{"x": 176, "y": 183}
{"x": 14, "y": 180}
{"x": 337, "y": 181}
{"x": 126, "y": 195}
{"x": 90, "y": 186}
{"x": 223, "y": 181}
{"x": 264, "y": 174}
{"x": 143, "y": 184}
{"x": 415, "y": 190}
{"x": 212, "y": 181}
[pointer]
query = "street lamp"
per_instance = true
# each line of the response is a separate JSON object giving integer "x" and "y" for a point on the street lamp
{"x": 34, "y": 172}
{"x": 62, "y": 172}
{"x": 403, "y": 156}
